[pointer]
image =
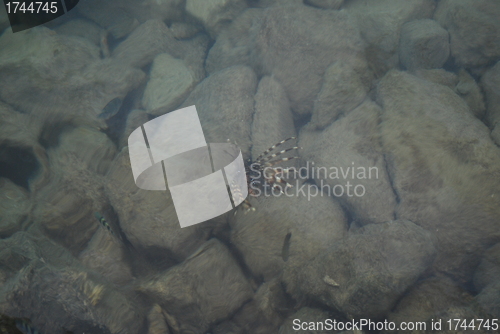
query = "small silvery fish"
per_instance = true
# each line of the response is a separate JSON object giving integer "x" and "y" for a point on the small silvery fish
{"x": 285, "y": 251}
{"x": 111, "y": 108}
{"x": 103, "y": 222}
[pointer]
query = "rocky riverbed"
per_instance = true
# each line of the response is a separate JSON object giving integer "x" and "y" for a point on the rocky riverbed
{"x": 394, "y": 216}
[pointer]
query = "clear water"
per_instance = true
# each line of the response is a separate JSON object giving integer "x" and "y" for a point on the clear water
{"x": 365, "y": 198}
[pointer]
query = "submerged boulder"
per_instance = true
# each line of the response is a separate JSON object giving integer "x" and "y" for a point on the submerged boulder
{"x": 206, "y": 288}
{"x": 286, "y": 229}
{"x": 47, "y": 285}
{"x": 293, "y": 43}
{"x": 442, "y": 163}
{"x": 365, "y": 274}
{"x": 346, "y": 161}
{"x": 474, "y": 30}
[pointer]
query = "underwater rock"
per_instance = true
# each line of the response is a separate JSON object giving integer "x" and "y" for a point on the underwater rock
{"x": 349, "y": 164}
{"x": 263, "y": 314}
{"x": 105, "y": 254}
{"x": 206, "y": 288}
{"x": 315, "y": 223}
{"x": 463, "y": 84}
{"x": 487, "y": 281}
{"x": 146, "y": 42}
{"x": 488, "y": 270}
{"x": 490, "y": 82}
{"x": 263, "y": 39}
{"x": 271, "y": 301}
{"x": 489, "y": 299}
{"x": 110, "y": 15}
{"x": 296, "y": 44}
{"x": 65, "y": 206}
{"x": 148, "y": 218}
{"x": 380, "y": 24}
{"x": 23, "y": 248}
{"x": 156, "y": 321}
{"x": 474, "y": 30}
{"x": 273, "y": 119}
{"x": 305, "y": 314}
{"x": 215, "y": 14}
{"x": 48, "y": 285}
{"x": 15, "y": 206}
{"x": 82, "y": 28}
{"x": 234, "y": 45}
{"x": 153, "y": 38}
{"x": 345, "y": 87}
{"x": 372, "y": 268}
{"x": 468, "y": 89}
{"x": 70, "y": 299}
{"x": 169, "y": 84}
{"x": 59, "y": 74}
{"x": 120, "y": 17}
{"x": 443, "y": 165}
{"x": 194, "y": 52}
{"x": 225, "y": 105}
{"x": 426, "y": 299}
{"x": 424, "y": 44}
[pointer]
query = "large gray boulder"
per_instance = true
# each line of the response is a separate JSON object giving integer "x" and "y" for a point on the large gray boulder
{"x": 489, "y": 299}
{"x": 148, "y": 218}
{"x": 474, "y": 30}
{"x": 347, "y": 162}
{"x": 120, "y": 17}
{"x": 264, "y": 313}
{"x": 206, "y": 288}
{"x": 83, "y": 28}
{"x": 468, "y": 89}
{"x": 59, "y": 73}
{"x": 365, "y": 273}
{"x": 293, "y": 43}
{"x": 152, "y": 38}
{"x": 424, "y": 44}
{"x": 380, "y": 24}
{"x": 215, "y": 14}
{"x": 441, "y": 161}
{"x": 427, "y": 298}
{"x": 65, "y": 206}
{"x": 48, "y": 286}
{"x": 105, "y": 254}
{"x": 273, "y": 119}
{"x": 170, "y": 83}
{"x": 225, "y": 105}
{"x": 345, "y": 86}
{"x": 312, "y": 223}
